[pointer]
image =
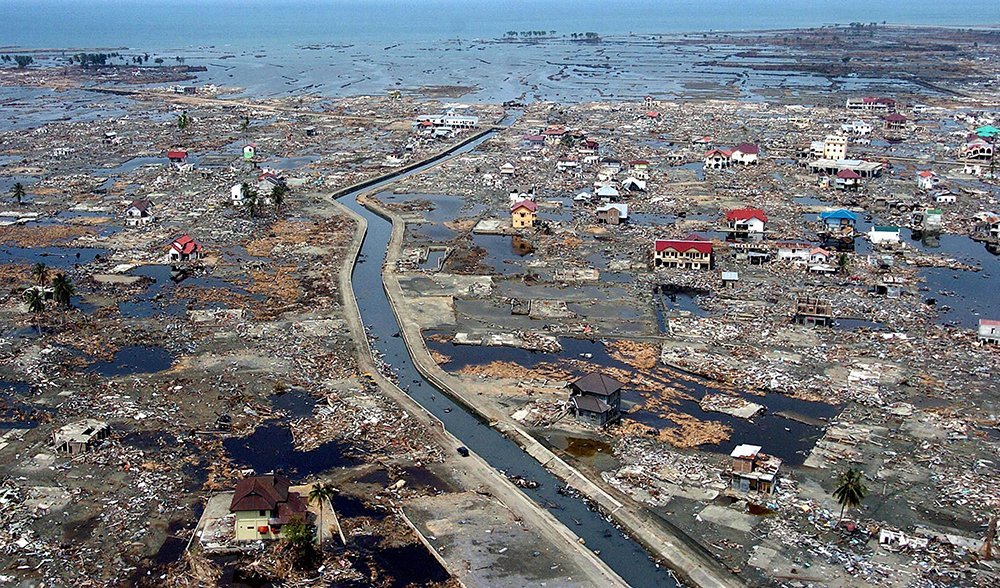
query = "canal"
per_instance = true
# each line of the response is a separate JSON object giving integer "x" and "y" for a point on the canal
{"x": 623, "y": 555}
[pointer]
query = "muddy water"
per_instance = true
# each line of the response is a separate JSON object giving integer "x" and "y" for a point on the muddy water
{"x": 623, "y": 555}
{"x": 134, "y": 360}
{"x": 788, "y": 439}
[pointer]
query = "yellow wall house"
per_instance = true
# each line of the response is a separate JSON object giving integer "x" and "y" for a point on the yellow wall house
{"x": 523, "y": 215}
{"x": 263, "y": 505}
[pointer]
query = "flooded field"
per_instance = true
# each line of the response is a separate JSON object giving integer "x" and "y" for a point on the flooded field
{"x": 789, "y": 439}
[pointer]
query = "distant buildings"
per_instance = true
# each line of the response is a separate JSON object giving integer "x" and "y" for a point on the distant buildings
{"x": 872, "y": 104}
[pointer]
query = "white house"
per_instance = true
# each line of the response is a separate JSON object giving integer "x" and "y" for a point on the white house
{"x": 507, "y": 169}
{"x": 835, "y": 147}
{"x": 634, "y": 185}
{"x": 819, "y": 255}
{"x": 883, "y": 235}
{"x": 236, "y": 194}
{"x": 989, "y": 331}
{"x": 973, "y": 168}
{"x": 746, "y": 220}
{"x": 858, "y": 128}
{"x": 138, "y": 213}
{"x": 717, "y": 159}
{"x": 745, "y": 153}
{"x": 567, "y": 164}
{"x": 793, "y": 250}
{"x": 926, "y": 180}
{"x": 945, "y": 197}
{"x": 608, "y": 192}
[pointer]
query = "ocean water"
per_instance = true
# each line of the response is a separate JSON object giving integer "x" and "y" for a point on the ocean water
{"x": 247, "y": 24}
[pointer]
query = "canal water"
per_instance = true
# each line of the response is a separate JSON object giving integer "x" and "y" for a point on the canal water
{"x": 619, "y": 552}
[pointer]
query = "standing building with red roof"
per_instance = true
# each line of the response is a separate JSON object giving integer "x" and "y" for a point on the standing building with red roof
{"x": 691, "y": 253}
{"x": 263, "y": 505}
{"x": 523, "y": 214}
{"x": 746, "y": 221}
{"x": 745, "y": 153}
{"x": 895, "y": 122}
{"x": 847, "y": 179}
{"x": 184, "y": 248}
{"x": 717, "y": 158}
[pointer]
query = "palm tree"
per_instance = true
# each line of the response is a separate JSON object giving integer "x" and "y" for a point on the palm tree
{"x": 321, "y": 493}
{"x": 278, "y": 194}
{"x": 843, "y": 261}
{"x": 251, "y": 199}
{"x": 18, "y": 192}
{"x": 62, "y": 289}
{"x": 41, "y": 273}
{"x": 35, "y": 300}
{"x": 850, "y": 492}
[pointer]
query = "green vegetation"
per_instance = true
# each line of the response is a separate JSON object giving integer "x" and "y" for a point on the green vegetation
{"x": 41, "y": 273}
{"x": 251, "y": 200}
{"x": 850, "y": 491}
{"x": 35, "y": 300}
{"x": 17, "y": 192}
{"x": 278, "y": 194}
{"x": 183, "y": 121}
{"x": 321, "y": 493}
{"x": 62, "y": 289}
{"x": 23, "y": 61}
{"x": 298, "y": 536}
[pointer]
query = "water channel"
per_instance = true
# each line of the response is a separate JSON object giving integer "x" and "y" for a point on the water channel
{"x": 623, "y": 555}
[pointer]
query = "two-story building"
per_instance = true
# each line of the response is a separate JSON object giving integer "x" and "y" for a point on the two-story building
{"x": 523, "y": 214}
{"x": 746, "y": 221}
{"x": 753, "y": 471}
{"x": 263, "y": 505}
{"x": 596, "y": 398}
{"x": 138, "y": 213}
{"x": 691, "y": 253}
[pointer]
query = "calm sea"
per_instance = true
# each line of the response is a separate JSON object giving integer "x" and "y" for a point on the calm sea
{"x": 244, "y": 24}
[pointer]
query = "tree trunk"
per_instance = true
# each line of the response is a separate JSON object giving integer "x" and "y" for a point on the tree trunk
{"x": 843, "y": 507}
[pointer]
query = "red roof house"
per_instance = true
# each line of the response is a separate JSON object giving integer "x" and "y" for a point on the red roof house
{"x": 742, "y": 214}
{"x": 693, "y": 253}
{"x": 525, "y": 204}
{"x": 177, "y": 155}
{"x": 184, "y": 248}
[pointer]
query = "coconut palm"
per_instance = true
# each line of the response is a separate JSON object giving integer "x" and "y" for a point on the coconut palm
{"x": 850, "y": 491}
{"x": 17, "y": 191}
{"x": 62, "y": 289}
{"x": 321, "y": 493}
{"x": 41, "y": 273}
{"x": 251, "y": 199}
{"x": 35, "y": 300}
{"x": 278, "y": 194}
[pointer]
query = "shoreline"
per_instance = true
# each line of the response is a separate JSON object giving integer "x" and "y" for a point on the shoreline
{"x": 16, "y": 48}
